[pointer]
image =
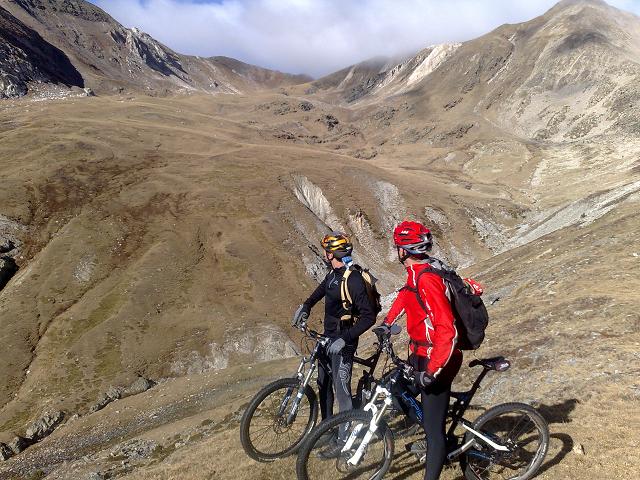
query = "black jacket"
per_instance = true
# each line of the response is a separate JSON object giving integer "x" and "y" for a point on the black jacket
{"x": 363, "y": 312}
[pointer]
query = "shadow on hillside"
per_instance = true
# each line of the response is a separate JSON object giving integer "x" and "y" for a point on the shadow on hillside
{"x": 567, "y": 446}
{"x": 560, "y": 413}
{"x": 553, "y": 414}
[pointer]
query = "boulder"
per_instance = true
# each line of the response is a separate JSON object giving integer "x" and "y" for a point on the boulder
{"x": 5, "y": 452}
{"x": 6, "y": 245}
{"x": 140, "y": 385}
{"x": 18, "y": 444}
{"x": 11, "y": 86}
{"x": 8, "y": 268}
{"x": 89, "y": 93}
{"x": 44, "y": 426}
{"x": 134, "y": 449}
{"x": 114, "y": 393}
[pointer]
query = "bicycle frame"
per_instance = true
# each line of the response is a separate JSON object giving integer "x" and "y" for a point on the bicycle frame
{"x": 308, "y": 366}
{"x": 456, "y": 412}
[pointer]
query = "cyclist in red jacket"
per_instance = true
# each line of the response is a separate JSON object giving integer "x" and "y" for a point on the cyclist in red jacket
{"x": 432, "y": 336}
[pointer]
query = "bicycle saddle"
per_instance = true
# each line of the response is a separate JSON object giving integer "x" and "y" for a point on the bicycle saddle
{"x": 499, "y": 364}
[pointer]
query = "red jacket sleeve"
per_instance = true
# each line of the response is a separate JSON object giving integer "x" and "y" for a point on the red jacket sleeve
{"x": 443, "y": 335}
{"x": 396, "y": 310}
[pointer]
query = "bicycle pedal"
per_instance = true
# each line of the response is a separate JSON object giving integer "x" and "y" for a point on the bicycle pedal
{"x": 418, "y": 447}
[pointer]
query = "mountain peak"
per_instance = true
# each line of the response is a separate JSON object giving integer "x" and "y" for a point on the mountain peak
{"x": 572, "y": 4}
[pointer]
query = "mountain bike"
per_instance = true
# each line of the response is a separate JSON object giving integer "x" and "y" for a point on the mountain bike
{"x": 284, "y": 412}
{"x": 507, "y": 441}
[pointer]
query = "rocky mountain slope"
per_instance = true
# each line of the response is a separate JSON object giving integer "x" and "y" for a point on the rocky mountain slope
{"x": 171, "y": 238}
{"x": 574, "y": 70}
{"x": 26, "y": 57}
{"x": 111, "y": 57}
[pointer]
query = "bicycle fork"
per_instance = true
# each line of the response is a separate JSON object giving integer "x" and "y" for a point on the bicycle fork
{"x": 376, "y": 415}
{"x": 302, "y": 386}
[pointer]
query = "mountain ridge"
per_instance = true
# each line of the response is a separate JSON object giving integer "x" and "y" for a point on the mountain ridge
{"x": 111, "y": 57}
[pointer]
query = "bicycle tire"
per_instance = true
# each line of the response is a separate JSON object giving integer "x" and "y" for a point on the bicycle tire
{"x": 383, "y": 432}
{"x": 484, "y": 424}
{"x": 245, "y": 423}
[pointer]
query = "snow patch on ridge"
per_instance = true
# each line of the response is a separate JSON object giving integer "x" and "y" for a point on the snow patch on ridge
{"x": 436, "y": 57}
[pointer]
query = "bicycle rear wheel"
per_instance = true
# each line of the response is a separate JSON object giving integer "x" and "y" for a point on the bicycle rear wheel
{"x": 517, "y": 426}
{"x": 268, "y": 430}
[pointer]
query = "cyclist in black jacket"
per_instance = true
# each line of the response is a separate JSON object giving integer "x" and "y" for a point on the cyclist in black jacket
{"x": 344, "y": 327}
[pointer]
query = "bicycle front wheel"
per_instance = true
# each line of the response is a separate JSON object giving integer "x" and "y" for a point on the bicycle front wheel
{"x": 333, "y": 451}
{"x": 521, "y": 429}
{"x": 270, "y": 428}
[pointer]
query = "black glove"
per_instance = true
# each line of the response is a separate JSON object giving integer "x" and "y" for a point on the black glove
{"x": 423, "y": 379}
{"x": 336, "y": 346}
{"x": 382, "y": 330}
{"x": 300, "y": 316}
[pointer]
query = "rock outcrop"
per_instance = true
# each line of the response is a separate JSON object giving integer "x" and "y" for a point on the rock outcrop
{"x": 44, "y": 426}
{"x": 8, "y": 268}
{"x": 140, "y": 385}
{"x": 26, "y": 57}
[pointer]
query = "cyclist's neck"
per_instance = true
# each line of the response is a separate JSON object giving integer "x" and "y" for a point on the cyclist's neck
{"x": 336, "y": 264}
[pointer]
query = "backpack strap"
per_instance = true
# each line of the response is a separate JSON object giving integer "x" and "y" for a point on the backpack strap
{"x": 415, "y": 289}
{"x": 345, "y": 295}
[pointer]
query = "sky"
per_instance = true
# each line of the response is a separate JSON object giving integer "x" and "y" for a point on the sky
{"x": 318, "y": 37}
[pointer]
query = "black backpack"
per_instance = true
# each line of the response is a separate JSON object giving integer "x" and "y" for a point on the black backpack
{"x": 468, "y": 309}
{"x": 369, "y": 285}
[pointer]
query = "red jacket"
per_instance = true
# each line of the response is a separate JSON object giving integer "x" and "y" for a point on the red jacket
{"x": 435, "y": 329}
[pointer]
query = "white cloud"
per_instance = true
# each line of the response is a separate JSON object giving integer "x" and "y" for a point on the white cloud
{"x": 319, "y": 36}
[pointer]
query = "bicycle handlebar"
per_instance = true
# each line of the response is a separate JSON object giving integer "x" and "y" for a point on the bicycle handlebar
{"x": 318, "y": 337}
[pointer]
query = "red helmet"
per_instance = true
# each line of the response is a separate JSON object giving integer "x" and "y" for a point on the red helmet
{"x": 413, "y": 237}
